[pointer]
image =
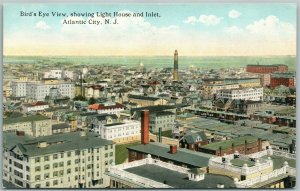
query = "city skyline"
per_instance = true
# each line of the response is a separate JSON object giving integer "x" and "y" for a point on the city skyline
{"x": 195, "y": 29}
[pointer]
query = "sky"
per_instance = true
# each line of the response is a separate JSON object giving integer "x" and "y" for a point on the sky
{"x": 193, "y": 29}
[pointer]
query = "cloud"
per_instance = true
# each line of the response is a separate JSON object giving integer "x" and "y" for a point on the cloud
{"x": 233, "y": 29}
{"x": 234, "y": 14}
{"x": 209, "y": 19}
{"x": 270, "y": 25}
{"x": 42, "y": 25}
{"x": 191, "y": 20}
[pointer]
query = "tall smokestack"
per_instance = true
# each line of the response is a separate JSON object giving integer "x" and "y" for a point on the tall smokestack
{"x": 81, "y": 84}
{"x": 175, "y": 71}
{"x": 145, "y": 127}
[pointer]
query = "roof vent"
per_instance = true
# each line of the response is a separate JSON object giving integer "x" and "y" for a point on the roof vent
{"x": 82, "y": 133}
{"x": 220, "y": 185}
{"x": 42, "y": 144}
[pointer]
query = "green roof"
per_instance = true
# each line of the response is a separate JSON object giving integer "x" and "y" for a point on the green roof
{"x": 185, "y": 156}
{"x": 228, "y": 143}
{"x": 56, "y": 143}
{"x": 241, "y": 162}
{"x": 24, "y": 119}
{"x": 279, "y": 160}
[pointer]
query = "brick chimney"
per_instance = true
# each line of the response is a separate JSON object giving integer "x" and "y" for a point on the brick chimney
{"x": 173, "y": 149}
{"x": 145, "y": 127}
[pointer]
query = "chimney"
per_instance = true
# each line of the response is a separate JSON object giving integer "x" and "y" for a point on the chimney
{"x": 20, "y": 133}
{"x": 145, "y": 127}
{"x": 42, "y": 144}
{"x": 173, "y": 149}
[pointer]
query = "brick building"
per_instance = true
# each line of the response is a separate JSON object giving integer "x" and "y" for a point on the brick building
{"x": 288, "y": 81}
{"x": 244, "y": 145}
{"x": 265, "y": 69}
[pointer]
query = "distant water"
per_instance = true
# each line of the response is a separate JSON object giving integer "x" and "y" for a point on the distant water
{"x": 158, "y": 61}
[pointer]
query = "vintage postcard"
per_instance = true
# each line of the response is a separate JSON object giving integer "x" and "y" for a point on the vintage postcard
{"x": 188, "y": 96}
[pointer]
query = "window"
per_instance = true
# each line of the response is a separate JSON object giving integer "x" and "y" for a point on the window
{"x": 55, "y": 174}
{"x": 61, "y": 164}
{"x": 106, "y": 162}
{"x": 37, "y": 177}
{"x": 106, "y": 155}
{"x": 55, "y": 165}
{"x": 37, "y": 159}
{"x": 69, "y": 154}
{"x": 55, "y": 156}
{"x": 55, "y": 182}
{"x": 37, "y": 169}
{"x": 69, "y": 163}
{"x": 61, "y": 173}
{"x": 62, "y": 155}
{"x": 111, "y": 154}
{"x": 46, "y": 158}
{"x": 111, "y": 146}
{"x": 47, "y": 167}
{"x": 37, "y": 186}
{"x": 46, "y": 176}
{"x": 47, "y": 184}
{"x": 106, "y": 147}
{"x": 69, "y": 171}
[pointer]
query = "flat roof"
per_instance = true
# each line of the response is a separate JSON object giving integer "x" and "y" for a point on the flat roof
{"x": 228, "y": 143}
{"x": 179, "y": 180}
{"x": 185, "y": 156}
{"x": 10, "y": 120}
{"x": 56, "y": 143}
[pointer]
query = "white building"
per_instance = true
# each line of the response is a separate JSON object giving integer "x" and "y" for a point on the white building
{"x": 128, "y": 131}
{"x": 59, "y": 74}
{"x": 36, "y": 106}
{"x": 38, "y": 91}
{"x": 18, "y": 88}
{"x": 65, "y": 160}
{"x": 36, "y": 125}
{"x": 254, "y": 94}
{"x": 109, "y": 108}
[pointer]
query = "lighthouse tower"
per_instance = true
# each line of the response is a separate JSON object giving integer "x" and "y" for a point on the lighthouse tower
{"x": 175, "y": 70}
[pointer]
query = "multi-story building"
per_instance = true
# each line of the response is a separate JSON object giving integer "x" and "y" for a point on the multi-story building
{"x": 208, "y": 90}
{"x": 36, "y": 106}
{"x": 287, "y": 79}
{"x": 36, "y": 125}
{"x": 265, "y": 69}
{"x": 155, "y": 173}
{"x": 254, "y": 94}
{"x": 144, "y": 101}
{"x": 109, "y": 108}
{"x": 18, "y": 88}
{"x": 39, "y": 91}
{"x": 66, "y": 160}
{"x": 59, "y": 74}
{"x": 127, "y": 131}
{"x": 264, "y": 169}
{"x": 244, "y": 145}
{"x": 161, "y": 116}
{"x": 98, "y": 121}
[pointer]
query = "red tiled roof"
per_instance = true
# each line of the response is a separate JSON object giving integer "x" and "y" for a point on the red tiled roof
{"x": 98, "y": 106}
{"x": 38, "y": 103}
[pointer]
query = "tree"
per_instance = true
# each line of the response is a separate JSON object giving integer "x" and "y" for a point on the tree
{"x": 92, "y": 100}
{"x": 79, "y": 98}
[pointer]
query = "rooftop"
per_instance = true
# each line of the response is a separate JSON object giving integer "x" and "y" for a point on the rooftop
{"x": 185, "y": 156}
{"x": 56, "y": 143}
{"x": 228, "y": 143}
{"x": 7, "y": 121}
{"x": 177, "y": 179}
{"x": 143, "y": 97}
